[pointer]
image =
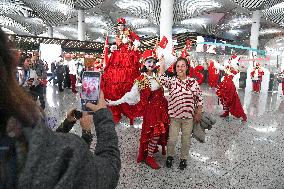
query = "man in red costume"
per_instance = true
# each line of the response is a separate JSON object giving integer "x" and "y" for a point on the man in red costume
{"x": 256, "y": 76}
{"x": 227, "y": 92}
{"x": 122, "y": 68}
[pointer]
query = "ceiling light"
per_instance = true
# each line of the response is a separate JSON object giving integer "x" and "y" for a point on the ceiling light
{"x": 270, "y": 31}
{"x": 235, "y": 32}
{"x": 130, "y": 4}
{"x": 195, "y": 21}
{"x": 182, "y": 30}
{"x": 278, "y": 6}
{"x": 7, "y": 31}
{"x": 147, "y": 30}
{"x": 136, "y": 21}
{"x": 240, "y": 21}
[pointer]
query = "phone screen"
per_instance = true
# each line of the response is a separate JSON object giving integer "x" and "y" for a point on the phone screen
{"x": 90, "y": 88}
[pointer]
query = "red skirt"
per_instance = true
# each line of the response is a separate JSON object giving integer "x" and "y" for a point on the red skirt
{"x": 155, "y": 122}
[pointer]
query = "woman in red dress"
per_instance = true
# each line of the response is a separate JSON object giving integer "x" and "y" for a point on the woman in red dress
{"x": 122, "y": 68}
{"x": 228, "y": 95}
{"x": 147, "y": 95}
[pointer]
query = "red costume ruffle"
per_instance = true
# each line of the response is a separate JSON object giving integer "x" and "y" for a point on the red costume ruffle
{"x": 118, "y": 78}
{"x": 229, "y": 98}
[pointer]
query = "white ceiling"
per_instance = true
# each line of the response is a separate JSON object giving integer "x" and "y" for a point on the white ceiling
{"x": 223, "y": 18}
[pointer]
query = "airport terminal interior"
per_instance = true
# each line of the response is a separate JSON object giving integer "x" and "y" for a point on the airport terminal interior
{"x": 235, "y": 53}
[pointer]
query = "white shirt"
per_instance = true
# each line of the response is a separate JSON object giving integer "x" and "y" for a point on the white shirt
{"x": 72, "y": 67}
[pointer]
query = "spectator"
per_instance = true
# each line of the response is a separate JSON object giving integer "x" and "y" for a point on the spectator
{"x": 37, "y": 89}
{"x": 53, "y": 71}
{"x": 60, "y": 74}
{"x": 73, "y": 72}
{"x": 185, "y": 106}
{"x": 34, "y": 157}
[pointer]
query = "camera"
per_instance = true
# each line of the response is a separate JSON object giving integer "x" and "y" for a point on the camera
{"x": 78, "y": 114}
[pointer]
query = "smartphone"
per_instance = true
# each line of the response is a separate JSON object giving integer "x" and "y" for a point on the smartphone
{"x": 90, "y": 88}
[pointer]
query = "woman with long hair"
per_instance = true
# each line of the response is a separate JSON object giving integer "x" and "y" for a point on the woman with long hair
{"x": 33, "y": 156}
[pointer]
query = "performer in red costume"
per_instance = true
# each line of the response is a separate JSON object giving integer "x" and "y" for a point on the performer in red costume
{"x": 282, "y": 82}
{"x": 256, "y": 76}
{"x": 213, "y": 74}
{"x": 227, "y": 92}
{"x": 148, "y": 96}
{"x": 122, "y": 68}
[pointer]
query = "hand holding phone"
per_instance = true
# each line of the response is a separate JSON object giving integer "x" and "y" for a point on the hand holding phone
{"x": 90, "y": 88}
{"x": 101, "y": 104}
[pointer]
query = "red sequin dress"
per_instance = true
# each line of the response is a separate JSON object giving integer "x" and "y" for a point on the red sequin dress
{"x": 229, "y": 97}
{"x": 122, "y": 68}
{"x": 156, "y": 120}
{"x": 153, "y": 106}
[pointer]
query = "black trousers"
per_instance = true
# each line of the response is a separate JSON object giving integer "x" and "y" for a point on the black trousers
{"x": 38, "y": 92}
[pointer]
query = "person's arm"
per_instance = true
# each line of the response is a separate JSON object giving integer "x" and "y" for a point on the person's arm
{"x": 107, "y": 156}
{"x": 132, "y": 97}
{"x": 65, "y": 126}
{"x": 69, "y": 122}
{"x": 198, "y": 102}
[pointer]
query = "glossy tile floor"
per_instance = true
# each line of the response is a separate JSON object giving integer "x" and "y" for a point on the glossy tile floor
{"x": 235, "y": 155}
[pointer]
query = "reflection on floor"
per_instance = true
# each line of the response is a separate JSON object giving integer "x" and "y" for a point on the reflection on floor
{"x": 235, "y": 155}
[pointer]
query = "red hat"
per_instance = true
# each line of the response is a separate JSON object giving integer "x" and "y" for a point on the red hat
{"x": 149, "y": 54}
{"x": 163, "y": 43}
{"x": 258, "y": 64}
{"x": 121, "y": 21}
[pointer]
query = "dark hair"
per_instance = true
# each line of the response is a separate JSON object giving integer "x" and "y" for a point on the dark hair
{"x": 144, "y": 69}
{"x": 14, "y": 101}
{"x": 175, "y": 65}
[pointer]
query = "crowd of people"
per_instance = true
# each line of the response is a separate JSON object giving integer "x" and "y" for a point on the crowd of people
{"x": 128, "y": 88}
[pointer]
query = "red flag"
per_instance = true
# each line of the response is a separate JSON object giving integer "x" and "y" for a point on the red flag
{"x": 188, "y": 44}
{"x": 163, "y": 43}
{"x": 106, "y": 51}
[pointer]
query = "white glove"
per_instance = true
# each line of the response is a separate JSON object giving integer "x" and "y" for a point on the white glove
{"x": 124, "y": 40}
{"x": 111, "y": 103}
{"x": 136, "y": 43}
{"x": 113, "y": 48}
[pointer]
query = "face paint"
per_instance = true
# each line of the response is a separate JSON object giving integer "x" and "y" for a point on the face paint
{"x": 120, "y": 27}
{"x": 150, "y": 64}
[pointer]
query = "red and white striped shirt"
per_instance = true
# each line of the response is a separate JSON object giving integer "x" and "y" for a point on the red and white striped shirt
{"x": 185, "y": 95}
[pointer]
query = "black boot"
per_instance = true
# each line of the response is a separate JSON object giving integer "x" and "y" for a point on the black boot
{"x": 169, "y": 161}
{"x": 182, "y": 164}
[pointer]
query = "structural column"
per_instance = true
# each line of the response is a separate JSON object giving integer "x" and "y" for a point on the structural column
{"x": 81, "y": 25}
{"x": 166, "y": 22}
{"x": 50, "y": 32}
{"x": 254, "y": 34}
